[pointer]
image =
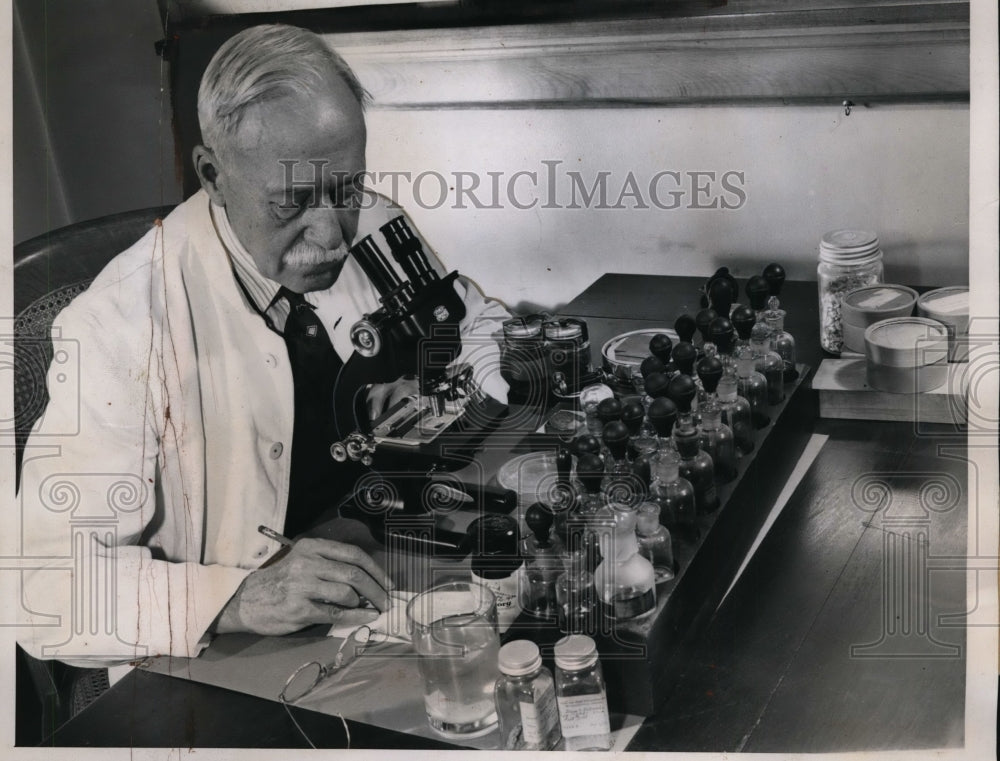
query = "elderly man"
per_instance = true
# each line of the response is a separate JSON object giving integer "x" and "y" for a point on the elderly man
{"x": 208, "y": 353}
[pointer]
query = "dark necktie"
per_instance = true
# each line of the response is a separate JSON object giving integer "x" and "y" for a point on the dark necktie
{"x": 316, "y": 481}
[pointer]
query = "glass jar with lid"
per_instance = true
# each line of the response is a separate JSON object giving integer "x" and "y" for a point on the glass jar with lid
{"x": 526, "y": 699}
{"x": 848, "y": 259}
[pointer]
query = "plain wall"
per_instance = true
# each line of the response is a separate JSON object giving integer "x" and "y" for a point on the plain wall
{"x": 901, "y": 171}
{"x": 93, "y": 136}
{"x": 92, "y": 123}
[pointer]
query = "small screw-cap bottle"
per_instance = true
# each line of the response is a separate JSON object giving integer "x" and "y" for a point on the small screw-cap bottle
{"x": 581, "y": 695}
{"x": 526, "y": 699}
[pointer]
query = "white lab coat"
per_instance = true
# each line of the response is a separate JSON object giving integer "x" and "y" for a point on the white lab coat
{"x": 167, "y": 441}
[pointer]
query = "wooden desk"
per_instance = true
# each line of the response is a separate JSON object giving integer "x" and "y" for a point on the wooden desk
{"x": 774, "y": 669}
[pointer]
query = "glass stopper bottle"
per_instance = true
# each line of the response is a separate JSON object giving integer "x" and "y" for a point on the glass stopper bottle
{"x": 525, "y": 697}
{"x": 716, "y": 437}
{"x": 781, "y": 340}
{"x": 675, "y": 496}
{"x": 581, "y": 695}
{"x": 736, "y": 412}
{"x": 751, "y": 385}
{"x": 768, "y": 363}
{"x": 654, "y": 542}
{"x": 625, "y": 581}
{"x": 542, "y": 551}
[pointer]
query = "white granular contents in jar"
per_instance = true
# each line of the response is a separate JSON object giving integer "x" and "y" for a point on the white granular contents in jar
{"x": 831, "y": 327}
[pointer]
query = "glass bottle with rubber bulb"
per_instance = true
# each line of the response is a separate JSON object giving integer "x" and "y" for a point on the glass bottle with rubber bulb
{"x": 686, "y": 328}
{"x": 782, "y": 341}
{"x": 751, "y": 385}
{"x": 641, "y": 439}
{"x": 716, "y": 438}
{"x": 590, "y": 473}
{"x": 542, "y": 550}
{"x": 654, "y": 541}
{"x": 768, "y": 363}
{"x": 696, "y": 466}
{"x": 525, "y": 698}
{"x": 619, "y": 480}
{"x": 685, "y": 356}
{"x": 625, "y": 581}
{"x": 723, "y": 336}
{"x": 736, "y": 412}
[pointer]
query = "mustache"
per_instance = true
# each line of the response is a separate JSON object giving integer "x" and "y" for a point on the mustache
{"x": 304, "y": 254}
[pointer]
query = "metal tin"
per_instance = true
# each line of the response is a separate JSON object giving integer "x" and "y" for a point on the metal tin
{"x": 904, "y": 355}
{"x": 523, "y": 327}
{"x": 950, "y": 307}
{"x": 623, "y": 354}
{"x": 566, "y": 329}
{"x": 869, "y": 304}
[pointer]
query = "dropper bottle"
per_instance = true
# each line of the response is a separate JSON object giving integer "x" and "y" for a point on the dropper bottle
{"x": 751, "y": 385}
{"x": 716, "y": 438}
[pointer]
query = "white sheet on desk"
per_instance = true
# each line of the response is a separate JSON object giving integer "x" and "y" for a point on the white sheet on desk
{"x": 391, "y": 621}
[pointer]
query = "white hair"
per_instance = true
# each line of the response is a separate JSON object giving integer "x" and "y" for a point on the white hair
{"x": 261, "y": 63}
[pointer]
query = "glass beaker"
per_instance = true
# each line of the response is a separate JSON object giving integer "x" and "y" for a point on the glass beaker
{"x": 454, "y": 630}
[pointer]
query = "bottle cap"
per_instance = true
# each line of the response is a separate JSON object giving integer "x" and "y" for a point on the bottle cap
{"x": 681, "y": 391}
{"x": 495, "y": 539}
{"x": 710, "y": 373}
{"x": 774, "y": 274}
{"x": 519, "y": 658}
{"x": 608, "y": 410}
{"x": 685, "y": 327}
{"x": 538, "y": 517}
{"x": 684, "y": 357}
{"x": 649, "y": 517}
{"x": 849, "y": 247}
{"x": 575, "y": 652}
{"x": 590, "y": 471}
{"x": 760, "y": 333}
{"x": 743, "y": 319}
{"x": 651, "y": 365}
{"x": 615, "y": 437}
{"x": 722, "y": 334}
{"x": 632, "y": 415}
{"x": 704, "y": 321}
{"x": 660, "y": 346}
{"x": 656, "y": 385}
{"x": 667, "y": 468}
{"x": 757, "y": 291}
{"x": 662, "y": 415}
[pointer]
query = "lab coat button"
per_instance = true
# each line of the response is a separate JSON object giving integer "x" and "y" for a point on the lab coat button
{"x": 270, "y": 360}
{"x": 276, "y": 450}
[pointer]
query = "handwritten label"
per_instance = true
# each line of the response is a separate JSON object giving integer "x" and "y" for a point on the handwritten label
{"x": 582, "y": 715}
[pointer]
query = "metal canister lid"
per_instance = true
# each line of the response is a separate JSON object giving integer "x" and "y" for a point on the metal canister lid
{"x": 519, "y": 658}
{"x": 523, "y": 327}
{"x": 871, "y": 303}
{"x": 948, "y": 305}
{"x": 575, "y": 652}
{"x": 563, "y": 330}
{"x": 906, "y": 342}
{"x": 849, "y": 246}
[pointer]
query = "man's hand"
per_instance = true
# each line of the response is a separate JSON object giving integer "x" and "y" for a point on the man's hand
{"x": 319, "y": 581}
{"x": 382, "y": 396}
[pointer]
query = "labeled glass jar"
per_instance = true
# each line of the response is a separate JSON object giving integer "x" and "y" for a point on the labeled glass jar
{"x": 581, "y": 695}
{"x": 848, "y": 259}
{"x": 526, "y": 699}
